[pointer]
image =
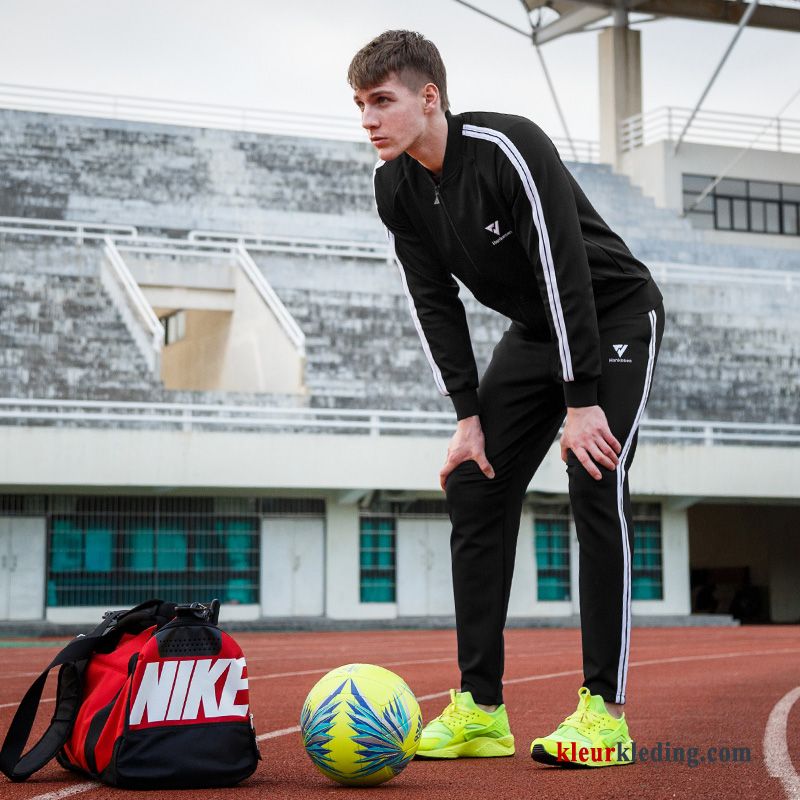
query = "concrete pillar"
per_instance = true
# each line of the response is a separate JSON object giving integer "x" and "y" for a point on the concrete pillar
{"x": 620, "y": 75}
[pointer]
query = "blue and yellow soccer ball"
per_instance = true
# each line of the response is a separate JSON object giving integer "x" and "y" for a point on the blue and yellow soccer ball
{"x": 361, "y": 725}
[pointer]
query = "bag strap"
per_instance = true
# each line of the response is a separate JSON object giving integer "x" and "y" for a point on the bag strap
{"x": 18, "y": 767}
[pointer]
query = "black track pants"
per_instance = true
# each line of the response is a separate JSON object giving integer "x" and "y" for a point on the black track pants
{"x": 522, "y": 407}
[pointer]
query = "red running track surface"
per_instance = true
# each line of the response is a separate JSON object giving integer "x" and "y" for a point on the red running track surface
{"x": 691, "y": 687}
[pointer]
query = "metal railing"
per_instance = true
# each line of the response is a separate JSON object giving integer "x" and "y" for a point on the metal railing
{"x": 137, "y": 302}
{"x": 374, "y": 422}
{"x": 213, "y": 244}
{"x": 63, "y": 229}
{"x": 583, "y": 151}
{"x": 262, "y": 286}
{"x": 711, "y": 127}
{"x": 214, "y": 115}
{"x": 295, "y": 244}
{"x": 118, "y": 239}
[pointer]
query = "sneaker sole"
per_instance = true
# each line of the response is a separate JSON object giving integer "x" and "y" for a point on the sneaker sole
{"x": 538, "y": 753}
{"x": 480, "y": 747}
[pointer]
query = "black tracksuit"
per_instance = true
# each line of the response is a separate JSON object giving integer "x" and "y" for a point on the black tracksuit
{"x": 511, "y": 223}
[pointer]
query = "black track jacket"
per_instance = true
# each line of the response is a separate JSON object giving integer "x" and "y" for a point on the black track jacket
{"x": 509, "y": 221}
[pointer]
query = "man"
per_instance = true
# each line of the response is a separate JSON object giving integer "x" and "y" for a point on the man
{"x": 485, "y": 198}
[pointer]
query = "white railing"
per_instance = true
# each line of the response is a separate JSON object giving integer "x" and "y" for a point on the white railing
{"x": 62, "y": 229}
{"x": 136, "y": 301}
{"x": 214, "y": 244}
{"x": 295, "y": 244}
{"x": 273, "y": 302}
{"x": 711, "y": 127}
{"x": 584, "y": 151}
{"x": 178, "y": 112}
{"x": 667, "y": 272}
{"x": 125, "y": 239}
{"x": 214, "y": 115}
{"x": 350, "y": 421}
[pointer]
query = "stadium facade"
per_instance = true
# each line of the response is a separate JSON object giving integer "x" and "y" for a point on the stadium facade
{"x": 210, "y": 384}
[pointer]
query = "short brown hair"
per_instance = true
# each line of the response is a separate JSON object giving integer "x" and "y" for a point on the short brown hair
{"x": 414, "y": 58}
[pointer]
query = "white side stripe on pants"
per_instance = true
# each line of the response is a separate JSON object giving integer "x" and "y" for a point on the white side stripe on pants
{"x": 625, "y": 639}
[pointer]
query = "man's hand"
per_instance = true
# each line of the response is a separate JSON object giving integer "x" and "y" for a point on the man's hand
{"x": 466, "y": 445}
{"x": 587, "y": 434}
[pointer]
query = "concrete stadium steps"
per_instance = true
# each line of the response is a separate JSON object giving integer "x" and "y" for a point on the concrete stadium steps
{"x": 741, "y": 366}
{"x": 62, "y": 337}
{"x": 176, "y": 178}
{"x": 168, "y": 177}
{"x": 728, "y": 367}
{"x": 60, "y": 333}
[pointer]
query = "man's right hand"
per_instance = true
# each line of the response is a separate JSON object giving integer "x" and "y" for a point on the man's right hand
{"x": 467, "y": 444}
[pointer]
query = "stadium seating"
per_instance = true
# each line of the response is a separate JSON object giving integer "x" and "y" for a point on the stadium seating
{"x": 60, "y": 335}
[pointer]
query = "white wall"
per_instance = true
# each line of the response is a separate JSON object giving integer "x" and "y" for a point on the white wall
{"x": 658, "y": 172}
{"x": 61, "y": 458}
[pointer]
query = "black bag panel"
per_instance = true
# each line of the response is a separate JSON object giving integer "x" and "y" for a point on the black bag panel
{"x": 184, "y": 756}
{"x": 182, "y": 638}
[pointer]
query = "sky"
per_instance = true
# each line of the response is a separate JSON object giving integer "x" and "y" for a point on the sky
{"x": 293, "y": 56}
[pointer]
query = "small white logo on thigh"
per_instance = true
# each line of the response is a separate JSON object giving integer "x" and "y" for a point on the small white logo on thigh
{"x": 620, "y": 349}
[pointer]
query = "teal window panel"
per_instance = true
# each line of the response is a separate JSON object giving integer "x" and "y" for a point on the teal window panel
{"x": 66, "y": 546}
{"x": 99, "y": 549}
{"x": 552, "y": 549}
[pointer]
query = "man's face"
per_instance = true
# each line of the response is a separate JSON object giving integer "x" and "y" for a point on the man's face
{"x": 393, "y": 115}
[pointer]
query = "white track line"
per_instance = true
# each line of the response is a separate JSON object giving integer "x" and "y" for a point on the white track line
{"x": 14, "y": 705}
{"x": 76, "y": 788}
{"x": 776, "y": 748}
{"x": 782, "y": 717}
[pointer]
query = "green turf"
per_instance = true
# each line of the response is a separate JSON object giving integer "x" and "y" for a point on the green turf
{"x": 30, "y": 643}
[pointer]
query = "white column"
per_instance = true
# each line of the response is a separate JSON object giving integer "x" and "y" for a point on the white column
{"x": 620, "y": 76}
{"x": 675, "y": 566}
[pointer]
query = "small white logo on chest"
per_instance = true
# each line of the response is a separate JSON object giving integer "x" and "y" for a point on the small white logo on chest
{"x": 620, "y": 348}
{"x": 494, "y": 227}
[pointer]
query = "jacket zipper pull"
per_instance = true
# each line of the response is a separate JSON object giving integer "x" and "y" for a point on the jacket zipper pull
{"x": 436, "y": 194}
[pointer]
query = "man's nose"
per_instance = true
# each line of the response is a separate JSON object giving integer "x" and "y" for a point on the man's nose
{"x": 368, "y": 119}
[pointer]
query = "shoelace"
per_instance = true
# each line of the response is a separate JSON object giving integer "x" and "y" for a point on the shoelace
{"x": 583, "y": 715}
{"x": 452, "y": 711}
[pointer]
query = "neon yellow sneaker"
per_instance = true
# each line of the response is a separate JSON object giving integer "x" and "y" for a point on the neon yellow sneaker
{"x": 464, "y": 730}
{"x": 589, "y": 737}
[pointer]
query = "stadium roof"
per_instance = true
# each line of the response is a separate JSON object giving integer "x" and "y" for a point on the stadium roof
{"x": 576, "y": 15}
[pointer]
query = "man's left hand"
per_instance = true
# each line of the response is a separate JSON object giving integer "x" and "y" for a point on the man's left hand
{"x": 587, "y": 434}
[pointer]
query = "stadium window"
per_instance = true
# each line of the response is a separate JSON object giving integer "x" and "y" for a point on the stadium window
{"x": 723, "y": 218}
{"x": 378, "y": 573}
{"x": 740, "y": 215}
{"x": 742, "y": 205}
{"x": 118, "y": 551}
{"x": 647, "y": 572}
{"x": 757, "y": 222}
{"x": 552, "y": 547}
{"x": 790, "y": 218}
{"x": 174, "y": 327}
{"x": 773, "y": 222}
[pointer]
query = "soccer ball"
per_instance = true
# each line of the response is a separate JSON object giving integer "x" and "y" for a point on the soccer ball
{"x": 361, "y": 725}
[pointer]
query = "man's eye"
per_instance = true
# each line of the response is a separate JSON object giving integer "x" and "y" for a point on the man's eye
{"x": 383, "y": 99}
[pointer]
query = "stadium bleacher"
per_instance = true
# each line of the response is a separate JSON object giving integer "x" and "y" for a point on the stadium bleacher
{"x": 362, "y": 349}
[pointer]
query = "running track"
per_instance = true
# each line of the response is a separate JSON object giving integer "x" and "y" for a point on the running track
{"x": 692, "y": 687}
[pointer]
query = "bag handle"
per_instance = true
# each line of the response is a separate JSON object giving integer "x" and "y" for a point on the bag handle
{"x": 18, "y": 767}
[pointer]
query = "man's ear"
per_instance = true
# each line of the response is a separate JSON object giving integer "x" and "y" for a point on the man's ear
{"x": 430, "y": 93}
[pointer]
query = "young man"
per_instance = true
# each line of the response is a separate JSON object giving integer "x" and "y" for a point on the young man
{"x": 485, "y": 198}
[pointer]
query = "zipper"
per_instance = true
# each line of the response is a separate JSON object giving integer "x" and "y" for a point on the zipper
{"x": 439, "y": 200}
